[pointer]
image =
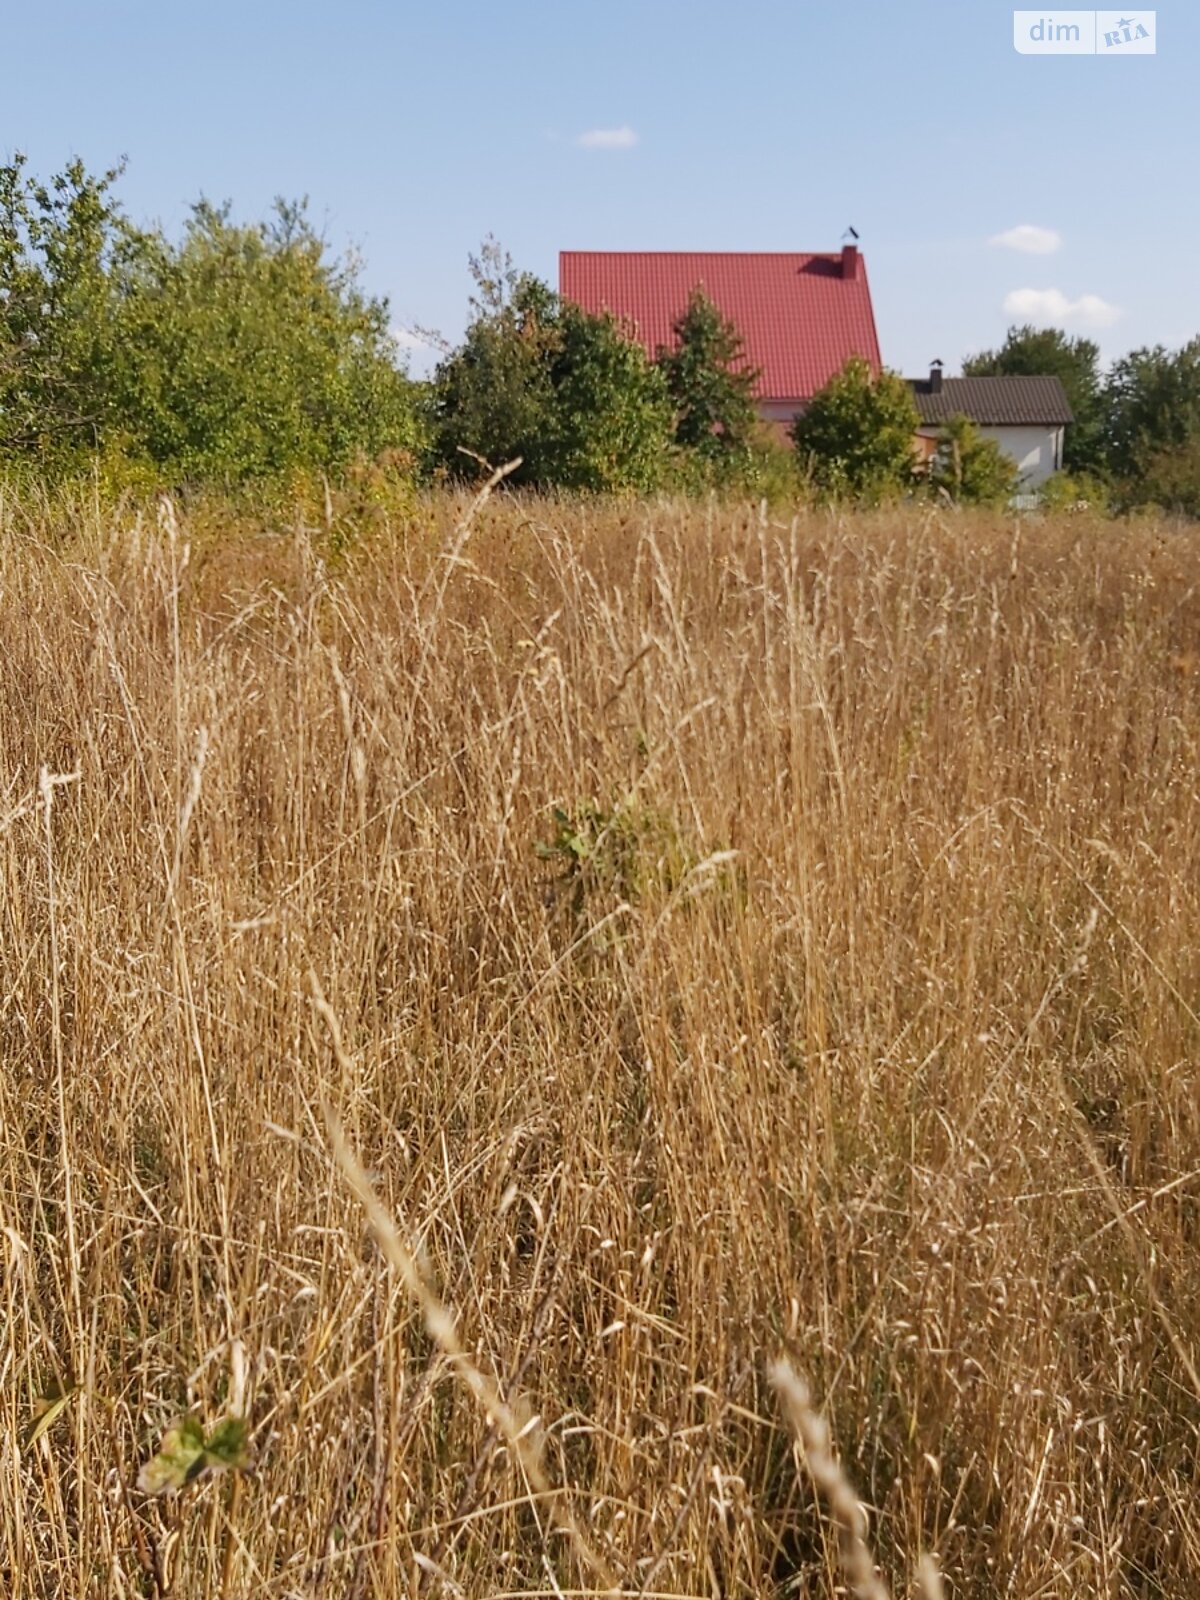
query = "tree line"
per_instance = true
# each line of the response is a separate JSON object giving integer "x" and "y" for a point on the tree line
{"x": 236, "y": 353}
{"x": 1136, "y": 432}
{"x": 242, "y": 353}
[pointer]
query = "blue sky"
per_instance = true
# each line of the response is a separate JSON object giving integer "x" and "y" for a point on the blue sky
{"x": 417, "y": 129}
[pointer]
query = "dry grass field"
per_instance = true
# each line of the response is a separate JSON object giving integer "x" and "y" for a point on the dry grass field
{"x": 716, "y": 938}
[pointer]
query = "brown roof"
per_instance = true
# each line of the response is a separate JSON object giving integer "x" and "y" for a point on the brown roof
{"x": 1015, "y": 402}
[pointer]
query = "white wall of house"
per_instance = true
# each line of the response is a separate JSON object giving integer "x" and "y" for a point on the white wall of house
{"x": 1036, "y": 451}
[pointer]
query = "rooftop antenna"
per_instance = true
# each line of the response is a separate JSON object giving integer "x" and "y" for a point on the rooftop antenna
{"x": 852, "y": 232}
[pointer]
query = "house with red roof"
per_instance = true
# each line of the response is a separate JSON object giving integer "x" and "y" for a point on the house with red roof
{"x": 801, "y": 315}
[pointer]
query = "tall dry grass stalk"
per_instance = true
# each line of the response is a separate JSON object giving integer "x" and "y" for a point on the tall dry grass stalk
{"x": 812, "y": 1431}
{"x": 829, "y": 1479}
{"x": 849, "y": 1006}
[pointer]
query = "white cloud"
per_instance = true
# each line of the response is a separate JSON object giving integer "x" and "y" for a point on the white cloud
{"x": 1031, "y": 240}
{"x": 419, "y": 352}
{"x": 408, "y": 340}
{"x": 622, "y": 138}
{"x": 1051, "y": 306}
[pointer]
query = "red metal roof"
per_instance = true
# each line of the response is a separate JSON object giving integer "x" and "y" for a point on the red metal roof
{"x": 801, "y": 316}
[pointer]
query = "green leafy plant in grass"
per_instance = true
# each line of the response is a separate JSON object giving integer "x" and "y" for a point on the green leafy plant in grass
{"x": 187, "y": 1454}
{"x": 614, "y": 856}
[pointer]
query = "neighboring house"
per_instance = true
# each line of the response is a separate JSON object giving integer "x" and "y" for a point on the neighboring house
{"x": 801, "y": 317}
{"x": 1027, "y": 417}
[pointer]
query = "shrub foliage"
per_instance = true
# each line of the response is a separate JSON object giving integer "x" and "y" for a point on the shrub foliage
{"x": 240, "y": 352}
{"x": 856, "y": 437}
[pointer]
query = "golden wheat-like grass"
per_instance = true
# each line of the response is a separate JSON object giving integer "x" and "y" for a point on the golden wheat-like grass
{"x": 848, "y": 1012}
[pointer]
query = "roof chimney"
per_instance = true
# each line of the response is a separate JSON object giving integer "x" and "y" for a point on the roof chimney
{"x": 849, "y": 261}
{"x": 935, "y": 378}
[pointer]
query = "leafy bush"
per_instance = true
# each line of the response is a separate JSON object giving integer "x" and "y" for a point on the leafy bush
{"x": 971, "y": 469}
{"x": 766, "y": 469}
{"x": 539, "y": 379}
{"x": 771, "y": 470}
{"x": 612, "y": 418}
{"x": 856, "y": 438}
{"x": 493, "y": 396}
{"x": 609, "y": 856}
{"x": 62, "y": 247}
{"x": 248, "y": 354}
{"x": 1074, "y": 492}
{"x": 241, "y": 353}
{"x": 1170, "y": 478}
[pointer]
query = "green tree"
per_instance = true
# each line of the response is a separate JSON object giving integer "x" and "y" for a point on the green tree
{"x": 1048, "y": 352}
{"x": 241, "y": 352}
{"x": 59, "y": 243}
{"x": 1152, "y": 407}
{"x": 247, "y": 353}
{"x": 493, "y": 397}
{"x": 542, "y": 380}
{"x": 1171, "y": 478}
{"x": 612, "y": 414}
{"x": 711, "y": 386}
{"x": 971, "y": 469}
{"x": 856, "y": 437}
